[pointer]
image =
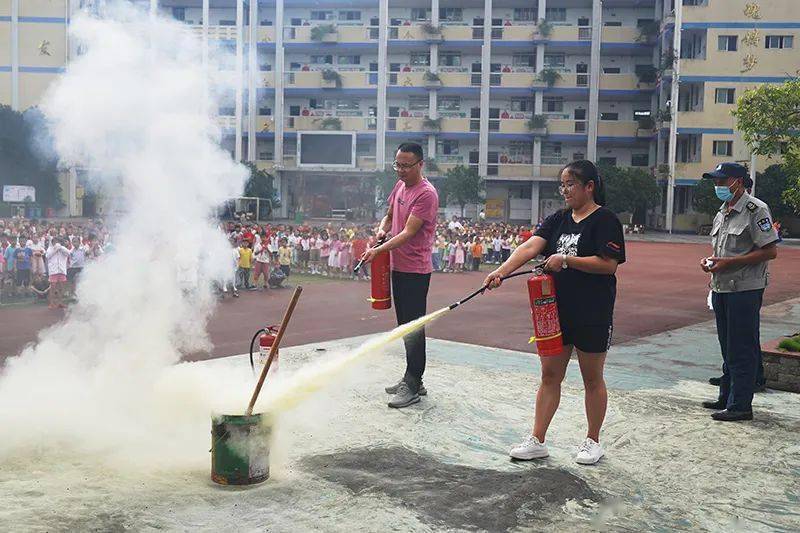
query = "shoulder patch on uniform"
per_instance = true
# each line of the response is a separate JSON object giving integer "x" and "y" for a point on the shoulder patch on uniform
{"x": 765, "y": 224}
{"x": 751, "y": 206}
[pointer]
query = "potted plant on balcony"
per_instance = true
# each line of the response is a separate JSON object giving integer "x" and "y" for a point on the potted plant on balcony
{"x": 325, "y": 33}
{"x": 646, "y": 74}
{"x": 537, "y": 124}
{"x": 549, "y": 76}
{"x": 432, "y": 31}
{"x": 432, "y": 79}
{"x": 330, "y": 123}
{"x": 647, "y": 123}
{"x": 648, "y": 32}
{"x": 663, "y": 116}
{"x": 331, "y": 79}
{"x": 544, "y": 28}
{"x": 430, "y": 165}
{"x": 432, "y": 124}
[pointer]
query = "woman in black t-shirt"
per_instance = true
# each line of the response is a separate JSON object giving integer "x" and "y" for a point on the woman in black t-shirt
{"x": 583, "y": 244}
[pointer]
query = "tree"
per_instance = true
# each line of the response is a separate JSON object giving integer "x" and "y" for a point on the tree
{"x": 27, "y": 156}
{"x": 630, "y": 190}
{"x": 770, "y": 186}
{"x": 769, "y": 119}
{"x": 704, "y": 200}
{"x": 260, "y": 184}
{"x": 463, "y": 185}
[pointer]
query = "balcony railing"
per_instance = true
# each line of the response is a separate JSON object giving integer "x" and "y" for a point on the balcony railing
{"x": 330, "y": 122}
{"x": 345, "y": 80}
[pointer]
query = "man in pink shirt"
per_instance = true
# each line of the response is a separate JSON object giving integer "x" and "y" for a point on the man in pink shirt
{"x": 411, "y": 221}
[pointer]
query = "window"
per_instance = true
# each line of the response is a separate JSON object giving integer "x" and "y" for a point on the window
{"x": 420, "y": 13}
{"x": 449, "y": 103}
{"x": 322, "y": 15}
{"x": 450, "y": 59}
{"x": 555, "y": 14}
{"x": 523, "y": 60}
{"x": 553, "y": 104}
{"x": 321, "y": 60}
{"x": 520, "y": 150}
{"x": 609, "y": 116}
{"x": 349, "y": 15}
{"x": 779, "y": 41}
{"x": 613, "y": 23}
{"x": 447, "y": 147}
{"x": 640, "y": 160}
{"x": 607, "y": 161}
{"x": 525, "y": 14}
{"x": 554, "y": 60}
{"x": 418, "y": 103}
{"x": 179, "y": 13}
{"x": 522, "y": 104}
{"x": 294, "y": 110}
{"x": 453, "y": 14}
{"x": 641, "y": 23}
{"x": 723, "y": 148}
{"x": 611, "y": 70}
{"x": 345, "y": 104}
{"x": 728, "y": 43}
{"x": 421, "y": 59}
{"x": 551, "y": 153}
{"x": 725, "y": 96}
{"x": 349, "y": 60}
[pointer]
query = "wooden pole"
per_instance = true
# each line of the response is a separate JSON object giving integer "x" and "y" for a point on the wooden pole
{"x": 286, "y": 317}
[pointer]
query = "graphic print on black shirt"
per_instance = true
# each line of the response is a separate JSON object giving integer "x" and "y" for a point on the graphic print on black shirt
{"x": 568, "y": 244}
{"x": 584, "y": 299}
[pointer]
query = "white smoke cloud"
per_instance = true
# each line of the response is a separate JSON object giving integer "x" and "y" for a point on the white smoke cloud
{"x": 133, "y": 111}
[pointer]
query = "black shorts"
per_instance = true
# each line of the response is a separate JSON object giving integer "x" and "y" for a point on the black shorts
{"x": 23, "y": 278}
{"x": 591, "y": 339}
{"x": 73, "y": 273}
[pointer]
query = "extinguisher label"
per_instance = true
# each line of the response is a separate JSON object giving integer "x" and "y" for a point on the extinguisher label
{"x": 545, "y": 319}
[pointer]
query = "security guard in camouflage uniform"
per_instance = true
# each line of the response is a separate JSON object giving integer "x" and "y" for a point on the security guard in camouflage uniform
{"x": 744, "y": 241}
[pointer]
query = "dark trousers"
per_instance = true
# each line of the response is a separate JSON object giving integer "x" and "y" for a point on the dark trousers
{"x": 738, "y": 324}
{"x": 410, "y": 292}
{"x": 476, "y": 264}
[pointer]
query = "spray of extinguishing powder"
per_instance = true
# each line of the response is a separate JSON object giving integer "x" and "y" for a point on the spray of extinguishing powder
{"x": 286, "y": 394}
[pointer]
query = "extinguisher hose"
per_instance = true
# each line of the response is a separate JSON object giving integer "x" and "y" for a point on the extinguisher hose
{"x": 252, "y": 345}
{"x": 361, "y": 261}
{"x": 536, "y": 269}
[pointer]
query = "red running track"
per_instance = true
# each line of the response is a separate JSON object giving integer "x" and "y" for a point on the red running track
{"x": 661, "y": 287}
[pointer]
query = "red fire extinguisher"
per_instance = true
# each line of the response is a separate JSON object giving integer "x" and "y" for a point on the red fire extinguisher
{"x": 266, "y": 338}
{"x": 381, "y": 282}
{"x": 544, "y": 312}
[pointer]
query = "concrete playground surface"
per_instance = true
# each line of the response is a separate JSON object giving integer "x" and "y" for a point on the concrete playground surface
{"x": 343, "y": 461}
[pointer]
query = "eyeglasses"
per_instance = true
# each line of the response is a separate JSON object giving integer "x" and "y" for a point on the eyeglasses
{"x": 398, "y": 166}
{"x": 566, "y": 187}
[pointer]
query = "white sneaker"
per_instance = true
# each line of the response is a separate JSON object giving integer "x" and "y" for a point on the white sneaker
{"x": 589, "y": 452}
{"x": 530, "y": 448}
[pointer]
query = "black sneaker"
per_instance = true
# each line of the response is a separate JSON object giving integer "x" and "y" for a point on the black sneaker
{"x": 732, "y": 416}
{"x": 716, "y": 404}
{"x": 715, "y": 381}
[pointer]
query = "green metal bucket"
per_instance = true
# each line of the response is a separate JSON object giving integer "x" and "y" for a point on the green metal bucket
{"x": 240, "y": 449}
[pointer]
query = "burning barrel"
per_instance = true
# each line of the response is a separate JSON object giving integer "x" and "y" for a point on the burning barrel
{"x": 240, "y": 449}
